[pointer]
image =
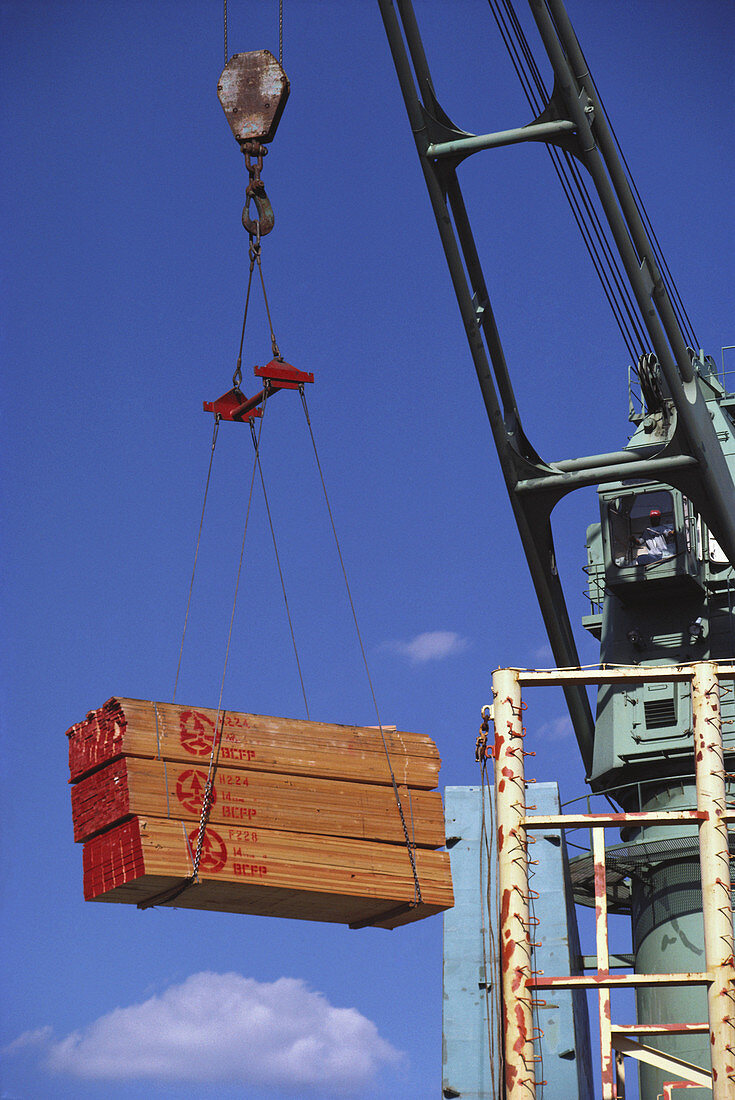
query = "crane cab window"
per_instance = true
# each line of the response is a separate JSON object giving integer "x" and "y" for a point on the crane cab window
{"x": 642, "y": 528}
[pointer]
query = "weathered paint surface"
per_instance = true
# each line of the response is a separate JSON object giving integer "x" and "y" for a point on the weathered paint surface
{"x": 253, "y": 89}
{"x": 712, "y": 815}
{"x": 515, "y": 940}
{"x": 716, "y": 884}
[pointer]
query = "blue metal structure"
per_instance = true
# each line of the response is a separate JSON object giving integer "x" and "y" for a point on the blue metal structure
{"x": 471, "y": 1046}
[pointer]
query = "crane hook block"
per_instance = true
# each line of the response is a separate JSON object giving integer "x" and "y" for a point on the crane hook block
{"x": 253, "y": 90}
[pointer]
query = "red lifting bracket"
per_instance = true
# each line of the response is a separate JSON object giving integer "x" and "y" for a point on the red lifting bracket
{"x": 276, "y": 375}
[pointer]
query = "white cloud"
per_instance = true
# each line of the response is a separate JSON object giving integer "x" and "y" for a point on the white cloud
{"x": 227, "y": 1029}
{"x": 556, "y": 729}
{"x": 432, "y": 646}
{"x": 39, "y": 1037}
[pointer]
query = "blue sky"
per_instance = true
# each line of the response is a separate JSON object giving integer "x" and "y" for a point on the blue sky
{"x": 124, "y": 273}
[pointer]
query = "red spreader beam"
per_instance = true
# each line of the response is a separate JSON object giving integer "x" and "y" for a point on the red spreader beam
{"x": 276, "y": 375}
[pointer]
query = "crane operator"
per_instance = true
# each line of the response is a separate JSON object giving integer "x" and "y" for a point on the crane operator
{"x": 656, "y": 541}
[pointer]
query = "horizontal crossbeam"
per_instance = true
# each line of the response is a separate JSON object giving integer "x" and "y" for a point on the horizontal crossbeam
{"x": 610, "y": 981}
{"x": 589, "y": 821}
{"x": 677, "y": 1066}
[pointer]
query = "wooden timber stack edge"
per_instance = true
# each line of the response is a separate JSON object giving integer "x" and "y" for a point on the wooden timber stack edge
{"x": 303, "y": 822}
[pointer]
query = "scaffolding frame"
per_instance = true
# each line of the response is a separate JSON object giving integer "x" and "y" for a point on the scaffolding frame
{"x": 519, "y": 983}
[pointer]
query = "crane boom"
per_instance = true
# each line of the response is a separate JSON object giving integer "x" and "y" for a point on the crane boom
{"x": 691, "y": 457}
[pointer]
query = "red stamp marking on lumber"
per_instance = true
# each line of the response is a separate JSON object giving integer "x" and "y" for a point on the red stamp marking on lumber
{"x": 196, "y": 731}
{"x": 250, "y": 870}
{"x": 237, "y": 720}
{"x": 246, "y": 755}
{"x": 190, "y": 788}
{"x": 246, "y": 838}
{"x": 214, "y": 851}
{"x": 230, "y": 780}
{"x": 239, "y": 813}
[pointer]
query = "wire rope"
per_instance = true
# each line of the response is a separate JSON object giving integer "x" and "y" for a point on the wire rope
{"x": 602, "y": 254}
{"x": 274, "y": 342}
{"x": 196, "y": 554}
{"x": 170, "y": 895}
{"x": 217, "y": 734}
{"x": 658, "y": 254}
{"x": 613, "y": 279}
{"x": 280, "y": 573}
{"x": 409, "y": 846}
{"x": 676, "y": 299}
{"x": 677, "y": 303}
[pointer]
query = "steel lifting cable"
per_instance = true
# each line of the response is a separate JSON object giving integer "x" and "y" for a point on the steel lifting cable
{"x": 170, "y": 895}
{"x": 274, "y": 343}
{"x": 254, "y": 249}
{"x": 603, "y": 250}
{"x": 217, "y": 733}
{"x": 409, "y": 845}
{"x": 280, "y": 31}
{"x": 236, "y": 380}
{"x": 676, "y": 300}
{"x": 255, "y": 257}
{"x": 196, "y": 554}
{"x": 280, "y": 571}
{"x": 531, "y": 81}
{"x": 594, "y": 236}
{"x": 237, "y": 376}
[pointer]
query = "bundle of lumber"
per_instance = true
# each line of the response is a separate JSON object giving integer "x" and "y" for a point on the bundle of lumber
{"x": 303, "y": 819}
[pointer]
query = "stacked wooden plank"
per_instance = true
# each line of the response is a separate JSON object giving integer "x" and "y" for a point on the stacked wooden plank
{"x": 303, "y": 822}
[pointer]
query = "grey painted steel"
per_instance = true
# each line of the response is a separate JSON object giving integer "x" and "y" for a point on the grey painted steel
{"x": 535, "y": 131}
{"x": 517, "y": 457}
{"x": 668, "y": 936}
{"x": 637, "y": 254}
{"x": 692, "y": 458}
{"x": 470, "y": 973}
{"x": 614, "y": 458}
{"x": 655, "y": 468}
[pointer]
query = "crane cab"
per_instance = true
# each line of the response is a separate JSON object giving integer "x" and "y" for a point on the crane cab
{"x": 651, "y": 541}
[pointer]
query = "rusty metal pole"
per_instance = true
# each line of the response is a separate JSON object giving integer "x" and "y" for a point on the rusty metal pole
{"x": 607, "y": 1058}
{"x": 716, "y": 885}
{"x": 515, "y": 916}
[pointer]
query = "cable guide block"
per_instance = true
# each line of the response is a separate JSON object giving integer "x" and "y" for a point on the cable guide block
{"x": 276, "y": 375}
